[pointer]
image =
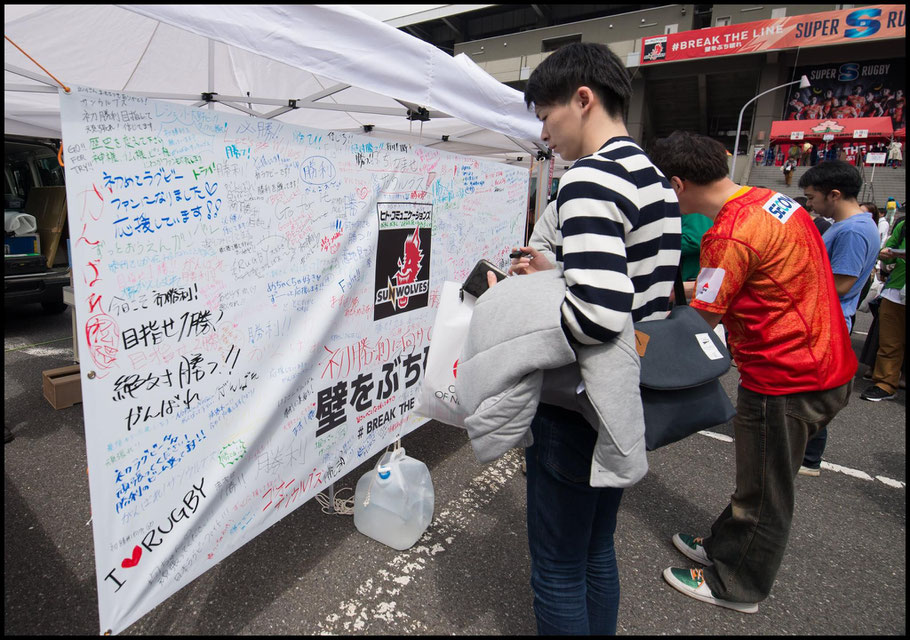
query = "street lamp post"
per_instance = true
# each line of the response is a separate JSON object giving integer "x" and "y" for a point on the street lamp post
{"x": 803, "y": 84}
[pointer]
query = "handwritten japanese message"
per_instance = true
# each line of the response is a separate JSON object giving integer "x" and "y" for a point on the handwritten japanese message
{"x": 254, "y": 303}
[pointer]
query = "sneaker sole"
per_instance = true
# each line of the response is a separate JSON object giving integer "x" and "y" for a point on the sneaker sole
{"x": 892, "y": 397}
{"x": 684, "y": 549}
{"x": 741, "y": 607}
{"x": 804, "y": 471}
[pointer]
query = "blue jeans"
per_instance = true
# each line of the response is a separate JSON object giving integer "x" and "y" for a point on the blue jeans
{"x": 570, "y": 529}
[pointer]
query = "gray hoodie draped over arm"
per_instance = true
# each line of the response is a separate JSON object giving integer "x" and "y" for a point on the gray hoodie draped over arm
{"x": 517, "y": 355}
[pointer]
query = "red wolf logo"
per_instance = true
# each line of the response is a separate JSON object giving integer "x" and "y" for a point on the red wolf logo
{"x": 408, "y": 268}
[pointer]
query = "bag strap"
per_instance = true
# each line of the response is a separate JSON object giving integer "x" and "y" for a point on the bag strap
{"x": 679, "y": 290}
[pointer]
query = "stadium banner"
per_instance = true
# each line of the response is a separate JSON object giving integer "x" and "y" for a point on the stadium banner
{"x": 810, "y": 30}
{"x": 254, "y": 302}
{"x": 860, "y": 89}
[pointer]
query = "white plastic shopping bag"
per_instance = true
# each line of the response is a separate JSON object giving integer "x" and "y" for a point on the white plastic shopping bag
{"x": 438, "y": 396}
{"x": 874, "y": 291}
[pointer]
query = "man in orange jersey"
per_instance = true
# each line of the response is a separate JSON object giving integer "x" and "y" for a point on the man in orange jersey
{"x": 765, "y": 272}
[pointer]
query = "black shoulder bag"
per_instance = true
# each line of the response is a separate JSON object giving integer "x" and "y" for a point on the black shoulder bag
{"x": 682, "y": 360}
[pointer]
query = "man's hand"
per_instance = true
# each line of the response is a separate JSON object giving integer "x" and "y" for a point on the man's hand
{"x": 532, "y": 263}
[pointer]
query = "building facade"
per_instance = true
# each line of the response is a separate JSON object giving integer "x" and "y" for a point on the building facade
{"x": 701, "y": 87}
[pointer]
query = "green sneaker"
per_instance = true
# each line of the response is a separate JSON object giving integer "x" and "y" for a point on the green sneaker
{"x": 692, "y": 583}
{"x": 691, "y": 547}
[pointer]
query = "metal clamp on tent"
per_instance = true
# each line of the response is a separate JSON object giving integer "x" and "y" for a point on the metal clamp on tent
{"x": 209, "y": 96}
{"x": 544, "y": 155}
{"x": 420, "y": 114}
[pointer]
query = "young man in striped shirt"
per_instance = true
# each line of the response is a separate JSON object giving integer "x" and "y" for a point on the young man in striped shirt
{"x": 617, "y": 235}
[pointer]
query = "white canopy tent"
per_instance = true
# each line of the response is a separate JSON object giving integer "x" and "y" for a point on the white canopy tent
{"x": 327, "y": 67}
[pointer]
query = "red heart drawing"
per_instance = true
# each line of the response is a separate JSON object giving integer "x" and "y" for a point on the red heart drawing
{"x": 132, "y": 562}
{"x": 362, "y": 193}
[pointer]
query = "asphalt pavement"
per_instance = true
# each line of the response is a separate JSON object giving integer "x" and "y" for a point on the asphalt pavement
{"x": 313, "y": 573}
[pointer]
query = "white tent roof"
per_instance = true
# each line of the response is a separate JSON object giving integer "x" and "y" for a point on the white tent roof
{"x": 341, "y": 69}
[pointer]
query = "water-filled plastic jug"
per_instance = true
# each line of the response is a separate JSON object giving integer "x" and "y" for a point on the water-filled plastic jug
{"x": 393, "y": 503}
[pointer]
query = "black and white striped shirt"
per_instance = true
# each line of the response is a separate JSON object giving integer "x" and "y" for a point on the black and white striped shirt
{"x": 619, "y": 224}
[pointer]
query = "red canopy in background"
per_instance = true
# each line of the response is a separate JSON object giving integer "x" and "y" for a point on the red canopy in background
{"x": 878, "y": 130}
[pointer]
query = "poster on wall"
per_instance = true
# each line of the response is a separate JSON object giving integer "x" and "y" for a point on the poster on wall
{"x": 868, "y": 89}
{"x": 254, "y": 303}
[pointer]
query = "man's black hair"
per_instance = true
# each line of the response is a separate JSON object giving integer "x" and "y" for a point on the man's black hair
{"x": 690, "y": 156}
{"x": 831, "y": 175}
{"x": 581, "y": 64}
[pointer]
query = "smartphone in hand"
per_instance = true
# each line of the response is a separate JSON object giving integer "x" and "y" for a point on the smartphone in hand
{"x": 476, "y": 283}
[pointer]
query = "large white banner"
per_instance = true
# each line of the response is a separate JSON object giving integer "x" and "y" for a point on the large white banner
{"x": 254, "y": 304}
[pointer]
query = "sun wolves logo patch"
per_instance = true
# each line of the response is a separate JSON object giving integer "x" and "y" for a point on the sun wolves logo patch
{"x": 402, "y": 258}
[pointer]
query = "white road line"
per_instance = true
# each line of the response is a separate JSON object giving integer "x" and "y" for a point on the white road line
{"x": 716, "y": 436}
{"x": 855, "y": 473}
{"x": 375, "y": 598}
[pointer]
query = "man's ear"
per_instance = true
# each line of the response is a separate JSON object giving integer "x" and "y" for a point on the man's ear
{"x": 586, "y": 97}
{"x": 677, "y": 184}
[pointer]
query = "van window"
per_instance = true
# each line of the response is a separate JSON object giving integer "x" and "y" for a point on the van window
{"x": 50, "y": 171}
{"x": 22, "y": 178}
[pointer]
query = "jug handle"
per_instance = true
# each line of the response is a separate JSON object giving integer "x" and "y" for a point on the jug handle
{"x": 397, "y": 454}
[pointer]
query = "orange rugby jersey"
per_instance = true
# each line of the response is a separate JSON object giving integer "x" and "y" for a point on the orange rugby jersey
{"x": 766, "y": 271}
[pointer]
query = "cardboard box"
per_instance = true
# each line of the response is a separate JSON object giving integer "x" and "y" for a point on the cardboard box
{"x": 48, "y": 206}
{"x": 63, "y": 386}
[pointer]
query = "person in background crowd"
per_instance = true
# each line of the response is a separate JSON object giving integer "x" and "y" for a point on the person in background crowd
{"x": 884, "y": 230}
{"x": 852, "y": 244}
{"x": 694, "y": 226}
{"x": 793, "y": 154}
{"x": 769, "y": 156}
{"x": 890, "y": 210}
{"x": 788, "y": 169}
{"x": 786, "y": 331}
{"x": 806, "y": 153}
{"x": 580, "y": 93}
{"x": 895, "y": 157}
{"x": 892, "y": 318}
{"x": 820, "y": 155}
